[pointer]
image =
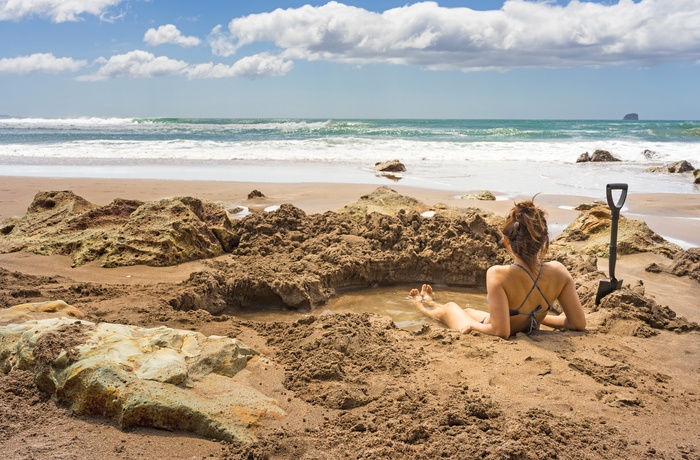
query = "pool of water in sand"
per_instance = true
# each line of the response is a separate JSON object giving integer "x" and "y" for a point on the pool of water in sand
{"x": 390, "y": 301}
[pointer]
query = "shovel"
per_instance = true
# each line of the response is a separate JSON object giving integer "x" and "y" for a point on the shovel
{"x": 606, "y": 287}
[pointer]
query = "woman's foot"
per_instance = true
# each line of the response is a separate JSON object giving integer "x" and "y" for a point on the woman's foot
{"x": 414, "y": 295}
{"x": 426, "y": 292}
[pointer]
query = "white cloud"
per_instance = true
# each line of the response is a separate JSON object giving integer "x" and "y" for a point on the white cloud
{"x": 520, "y": 34}
{"x": 259, "y": 65}
{"x": 220, "y": 43}
{"x": 142, "y": 64}
{"x": 169, "y": 34}
{"x": 136, "y": 64}
{"x": 39, "y": 63}
{"x": 55, "y": 10}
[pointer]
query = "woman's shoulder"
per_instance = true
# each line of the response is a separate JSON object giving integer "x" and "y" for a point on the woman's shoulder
{"x": 558, "y": 268}
{"x": 499, "y": 270}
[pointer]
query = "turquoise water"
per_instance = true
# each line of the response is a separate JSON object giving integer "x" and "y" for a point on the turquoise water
{"x": 508, "y": 156}
{"x": 37, "y": 131}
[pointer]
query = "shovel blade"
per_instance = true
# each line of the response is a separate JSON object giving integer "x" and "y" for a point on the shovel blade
{"x": 607, "y": 287}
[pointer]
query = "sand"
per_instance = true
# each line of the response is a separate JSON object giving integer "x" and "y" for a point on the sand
{"x": 397, "y": 394}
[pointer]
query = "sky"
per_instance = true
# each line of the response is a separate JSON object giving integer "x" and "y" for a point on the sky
{"x": 513, "y": 59}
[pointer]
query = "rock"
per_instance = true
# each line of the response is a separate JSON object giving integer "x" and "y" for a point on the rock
{"x": 27, "y": 311}
{"x": 384, "y": 200}
{"x": 598, "y": 156}
{"x": 125, "y": 232}
{"x": 603, "y": 155}
{"x": 483, "y": 195}
{"x": 650, "y": 154}
{"x": 634, "y": 236}
{"x": 391, "y": 166}
{"x": 653, "y": 268}
{"x": 161, "y": 377}
{"x": 64, "y": 203}
{"x": 696, "y": 175}
{"x": 631, "y": 116}
{"x": 255, "y": 194}
{"x": 674, "y": 168}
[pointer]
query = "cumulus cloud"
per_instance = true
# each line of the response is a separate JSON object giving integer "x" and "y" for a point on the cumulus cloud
{"x": 259, "y": 65}
{"x": 220, "y": 43}
{"x": 169, "y": 34}
{"x": 521, "y": 34}
{"x": 55, "y": 10}
{"x": 39, "y": 63}
{"x": 142, "y": 64}
{"x": 136, "y": 64}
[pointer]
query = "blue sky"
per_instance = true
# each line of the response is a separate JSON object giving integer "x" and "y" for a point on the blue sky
{"x": 356, "y": 59}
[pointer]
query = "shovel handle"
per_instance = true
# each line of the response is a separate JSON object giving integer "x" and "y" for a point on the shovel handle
{"x": 615, "y": 215}
{"x": 615, "y": 207}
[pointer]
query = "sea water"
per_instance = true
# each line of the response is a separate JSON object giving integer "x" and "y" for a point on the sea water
{"x": 508, "y": 156}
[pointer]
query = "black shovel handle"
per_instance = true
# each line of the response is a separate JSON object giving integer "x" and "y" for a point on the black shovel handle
{"x": 615, "y": 216}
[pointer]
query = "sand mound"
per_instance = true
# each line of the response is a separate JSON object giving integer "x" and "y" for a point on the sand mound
{"x": 286, "y": 258}
{"x": 687, "y": 263}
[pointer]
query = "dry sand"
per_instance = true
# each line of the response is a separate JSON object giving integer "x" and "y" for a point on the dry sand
{"x": 401, "y": 395}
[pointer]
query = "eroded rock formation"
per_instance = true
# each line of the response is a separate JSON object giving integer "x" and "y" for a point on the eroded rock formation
{"x": 125, "y": 232}
{"x": 156, "y": 377}
{"x": 591, "y": 229}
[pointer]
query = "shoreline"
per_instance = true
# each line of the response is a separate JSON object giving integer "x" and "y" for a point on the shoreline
{"x": 663, "y": 212}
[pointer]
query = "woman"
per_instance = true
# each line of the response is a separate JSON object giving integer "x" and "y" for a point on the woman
{"x": 521, "y": 294}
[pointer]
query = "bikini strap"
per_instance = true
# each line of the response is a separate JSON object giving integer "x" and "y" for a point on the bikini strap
{"x": 534, "y": 285}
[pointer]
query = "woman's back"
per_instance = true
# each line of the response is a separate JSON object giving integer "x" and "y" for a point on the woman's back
{"x": 531, "y": 293}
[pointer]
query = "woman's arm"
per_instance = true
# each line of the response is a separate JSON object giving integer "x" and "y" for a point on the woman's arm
{"x": 573, "y": 317}
{"x": 499, "y": 318}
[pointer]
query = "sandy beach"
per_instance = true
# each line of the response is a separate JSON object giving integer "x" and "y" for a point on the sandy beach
{"x": 605, "y": 393}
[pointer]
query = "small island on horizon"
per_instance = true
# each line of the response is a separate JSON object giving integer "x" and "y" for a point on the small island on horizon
{"x": 631, "y": 116}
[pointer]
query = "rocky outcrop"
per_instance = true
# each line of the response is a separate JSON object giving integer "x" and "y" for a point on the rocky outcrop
{"x": 675, "y": 168}
{"x": 597, "y": 156}
{"x": 161, "y": 377}
{"x": 483, "y": 195}
{"x": 631, "y": 116}
{"x": 696, "y": 176}
{"x": 392, "y": 166}
{"x": 383, "y": 200}
{"x": 591, "y": 229}
{"x": 125, "y": 232}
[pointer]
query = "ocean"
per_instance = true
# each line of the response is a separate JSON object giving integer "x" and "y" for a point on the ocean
{"x": 508, "y": 157}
